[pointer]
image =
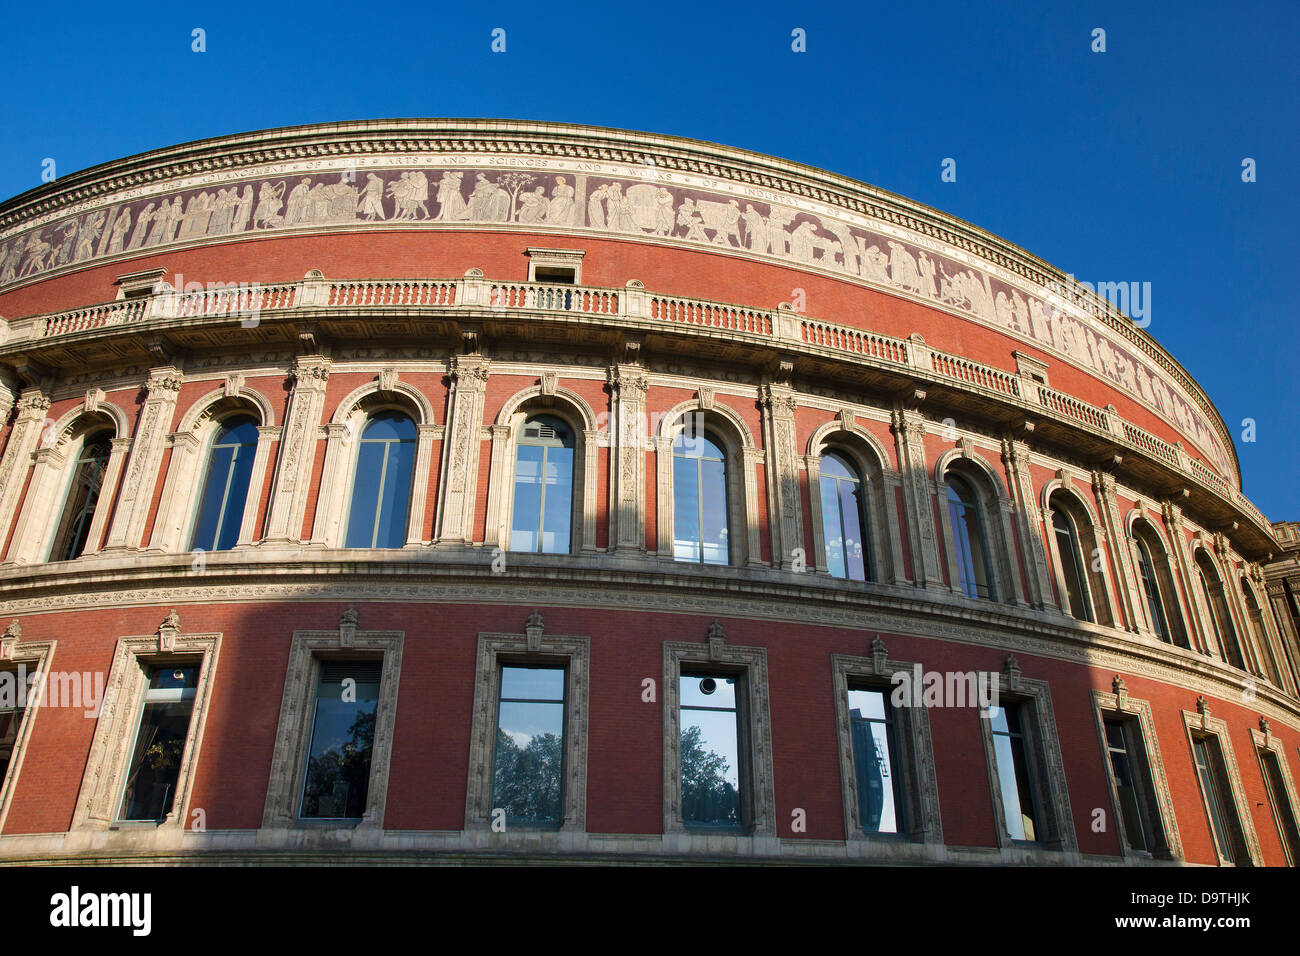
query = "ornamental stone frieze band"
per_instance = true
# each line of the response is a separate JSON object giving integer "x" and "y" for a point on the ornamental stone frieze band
{"x": 657, "y": 559}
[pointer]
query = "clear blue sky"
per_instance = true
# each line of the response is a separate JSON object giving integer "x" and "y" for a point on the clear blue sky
{"x": 1115, "y": 166}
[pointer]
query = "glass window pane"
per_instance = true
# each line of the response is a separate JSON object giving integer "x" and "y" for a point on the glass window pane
{"x": 365, "y": 495}
{"x": 343, "y": 734}
{"x": 713, "y": 512}
{"x": 855, "y": 544}
{"x": 686, "y": 509}
{"x": 832, "y": 529}
{"x": 528, "y": 498}
{"x": 150, "y": 788}
{"x": 559, "y": 500}
{"x": 710, "y": 750}
{"x": 528, "y": 762}
{"x": 236, "y": 496}
{"x": 873, "y": 762}
{"x": 390, "y": 531}
{"x": 532, "y": 683}
{"x": 214, "y": 493}
{"x": 83, "y": 495}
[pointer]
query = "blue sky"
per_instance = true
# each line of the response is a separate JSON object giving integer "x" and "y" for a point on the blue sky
{"x": 1115, "y": 166}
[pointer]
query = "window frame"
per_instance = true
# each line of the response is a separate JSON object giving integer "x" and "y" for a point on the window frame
{"x": 369, "y": 415}
{"x": 293, "y": 731}
{"x": 1201, "y": 726}
{"x": 915, "y": 752}
{"x": 1044, "y": 763}
{"x": 71, "y": 459}
{"x": 983, "y": 524}
{"x": 532, "y": 648}
{"x": 99, "y": 801}
{"x": 1266, "y": 743}
{"x": 758, "y": 802}
{"x": 205, "y": 470}
{"x": 1119, "y": 706}
{"x": 577, "y": 479}
{"x": 37, "y": 656}
{"x": 865, "y": 499}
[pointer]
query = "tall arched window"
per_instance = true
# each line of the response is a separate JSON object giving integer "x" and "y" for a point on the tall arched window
{"x": 1078, "y": 600}
{"x": 848, "y": 549}
{"x": 1220, "y": 619}
{"x": 381, "y": 490}
{"x": 83, "y": 495}
{"x": 969, "y": 544}
{"x": 543, "y": 505}
{"x": 700, "y": 499}
{"x": 225, "y": 489}
{"x": 1255, "y": 622}
{"x": 1151, "y": 588}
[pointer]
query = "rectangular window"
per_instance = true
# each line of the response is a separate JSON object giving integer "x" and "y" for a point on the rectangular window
{"x": 13, "y": 699}
{"x": 710, "y": 751}
{"x": 150, "y": 787}
{"x": 1213, "y": 777}
{"x": 1131, "y": 775}
{"x": 528, "y": 762}
{"x": 1014, "y": 784}
{"x": 1283, "y": 812}
{"x": 337, "y": 778}
{"x": 875, "y": 761}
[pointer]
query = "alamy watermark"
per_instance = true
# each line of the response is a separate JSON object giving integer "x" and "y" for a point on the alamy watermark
{"x": 1131, "y": 298}
{"x": 76, "y": 689}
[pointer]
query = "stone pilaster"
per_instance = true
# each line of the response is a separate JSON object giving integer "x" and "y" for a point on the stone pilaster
{"x": 1129, "y": 586}
{"x": 469, "y": 375}
{"x": 627, "y": 478}
{"x": 1197, "y": 612}
{"x": 127, "y": 528}
{"x": 297, "y": 449}
{"x": 785, "y": 516}
{"x": 909, "y": 434}
{"x": 1015, "y": 458}
{"x": 267, "y": 436}
{"x": 33, "y": 404}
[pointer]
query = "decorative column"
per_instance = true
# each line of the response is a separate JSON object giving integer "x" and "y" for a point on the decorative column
{"x": 127, "y": 528}
{"x": 40, "y": 510}
{"x": 1129, "y": 587}
{"x": 469, "y": 375}
{"x": 333, "y": 480}
{"x": 592, "y": 440}
{"x": 496, "y": 534}
{"x": 909, "y": 435}
{"x": 664, "y": 495}
{"x": 267, "y": 435}
{"x": 1015, "y": 458}
{"x": 425, "y": 435}
{"x": 1197, "y": 612}
{"x": 298, "y": 449}
{"x": 181, "y": 479}
{"x": 23, "y": 439}
{"x": 628, "y": 387}
{"x": 748, "y": 460}
{"x": 785, "y": 516}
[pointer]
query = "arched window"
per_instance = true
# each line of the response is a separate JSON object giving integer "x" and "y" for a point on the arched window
{"x": 1151, "y": 588}
{"x": 1255, "y": 623}
{"x": 848, "y": 548}
{"x": 83, "y": 495}
{"x": 1078, "y": 600}
{"x": 1220, "y": 620}
{"x": 543, "y": 504}
{"x": 969, "y": 543}
{"x": 381, "y": 490}
{"x": 700, "y": 499}
{"x": 225, "y": 489}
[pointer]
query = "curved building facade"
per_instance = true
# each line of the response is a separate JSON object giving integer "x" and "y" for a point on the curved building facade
{"x": 496, "y": 490}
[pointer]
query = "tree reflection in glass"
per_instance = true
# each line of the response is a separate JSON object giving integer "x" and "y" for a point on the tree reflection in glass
{"x": 159, "y": 743}
{"x": 528, "y": 763}
{"x": 343, "y": 736}
{"x": 710, "y": 752}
